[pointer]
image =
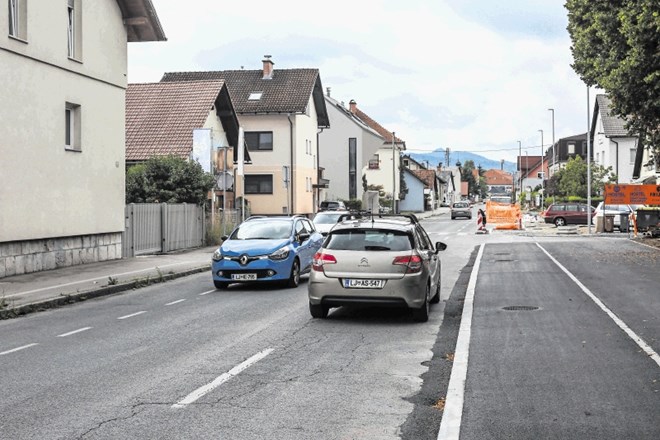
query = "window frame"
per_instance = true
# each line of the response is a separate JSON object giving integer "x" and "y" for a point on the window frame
{"x": 72, "y": 127}
{"x": 259, "y": 146}
{"x": 71, "y": 28}
{"x": 260, "y": 180}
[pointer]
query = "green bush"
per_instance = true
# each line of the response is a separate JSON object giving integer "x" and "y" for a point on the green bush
{"x": 353, "y": 204}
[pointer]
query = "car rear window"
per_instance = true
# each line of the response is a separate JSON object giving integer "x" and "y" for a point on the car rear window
{"x": 369, "y": 240}
{"x": 460, "y": 205}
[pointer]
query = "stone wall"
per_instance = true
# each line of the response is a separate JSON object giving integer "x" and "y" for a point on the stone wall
{"x": 21, "y": 257}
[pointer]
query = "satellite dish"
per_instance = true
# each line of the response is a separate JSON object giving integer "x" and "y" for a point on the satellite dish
{"x": 224, "y": 180}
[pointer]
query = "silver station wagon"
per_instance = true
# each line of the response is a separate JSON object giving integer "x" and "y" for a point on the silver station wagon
{"x": 379, "y": 260}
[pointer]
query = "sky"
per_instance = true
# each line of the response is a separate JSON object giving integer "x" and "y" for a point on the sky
{"x": 475, "y": 76}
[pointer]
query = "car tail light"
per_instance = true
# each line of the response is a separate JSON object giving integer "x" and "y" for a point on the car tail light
{"x": 320, "y": 259}
{"x": 414, "y": 263}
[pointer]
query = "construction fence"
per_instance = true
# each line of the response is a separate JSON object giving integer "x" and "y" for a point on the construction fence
{"x": 503, "y": 215}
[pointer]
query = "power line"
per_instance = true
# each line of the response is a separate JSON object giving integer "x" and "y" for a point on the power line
{"x": 476, "y": 151}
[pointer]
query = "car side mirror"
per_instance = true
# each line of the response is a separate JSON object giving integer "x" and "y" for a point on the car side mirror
{"x": 224, "y": 237}
{"x": 303, "y": 236}
{"x": 440, "y": 246}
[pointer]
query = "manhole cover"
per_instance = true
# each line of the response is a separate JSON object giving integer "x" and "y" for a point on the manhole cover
{"x": 520, "y": 308}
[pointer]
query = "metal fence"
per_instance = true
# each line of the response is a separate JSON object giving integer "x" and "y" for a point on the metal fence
{"x": 160, "y": 227}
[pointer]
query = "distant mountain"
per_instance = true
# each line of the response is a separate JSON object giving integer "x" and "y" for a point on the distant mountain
{"x": 438, "y": 155}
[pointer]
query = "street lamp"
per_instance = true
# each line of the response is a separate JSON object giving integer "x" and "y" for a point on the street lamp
{"x": 520, "y": 165}
{"x": 553, "y": 137}
{"x": 542, "y": 174}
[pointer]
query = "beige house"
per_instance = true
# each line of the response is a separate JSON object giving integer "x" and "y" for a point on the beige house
{"x": 281, "y": 113}
{"x": 62, "y": 148}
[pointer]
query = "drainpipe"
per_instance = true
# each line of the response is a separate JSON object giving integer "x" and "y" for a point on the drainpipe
{"x": 317, "y": 202}
{"x": 291, "y": 184}
{"x": 617, "y": 160}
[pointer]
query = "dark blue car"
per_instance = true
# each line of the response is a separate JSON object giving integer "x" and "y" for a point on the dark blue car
{"x": 266, "y": 249}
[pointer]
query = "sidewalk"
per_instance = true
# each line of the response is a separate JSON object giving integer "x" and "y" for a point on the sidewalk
{"x": 22, "y": 294}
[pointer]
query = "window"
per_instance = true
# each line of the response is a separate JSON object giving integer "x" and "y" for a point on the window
{"x": 259, "y": 184}
{"x": 259, "y": 140}
{"x": 255, "y": 96}
{"x": 352, "y": 168}
{"x": 74, "y": 27}
{"x": 71, "y": 14}
{"x": 571, "y": 148}
{"x": 633, "y": 153}
{"x": 72, "y": 127}
{"x": 18, "y": 19}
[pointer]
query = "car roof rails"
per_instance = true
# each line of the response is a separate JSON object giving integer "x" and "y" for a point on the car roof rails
{"x": 368, "y": 215}
{"x": 253, "y": 217}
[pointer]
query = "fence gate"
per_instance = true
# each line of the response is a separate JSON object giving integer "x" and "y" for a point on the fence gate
{"x": 160, "y": 227}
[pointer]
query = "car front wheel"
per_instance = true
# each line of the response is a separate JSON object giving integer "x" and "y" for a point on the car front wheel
{"x": 220, "y": 284}
{"x": 294, "y": 278}
{"x": 422, "y": 314}
{"x": 559, "y": 221}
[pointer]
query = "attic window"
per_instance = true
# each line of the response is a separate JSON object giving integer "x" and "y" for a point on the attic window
{"x": 255, "y": 96}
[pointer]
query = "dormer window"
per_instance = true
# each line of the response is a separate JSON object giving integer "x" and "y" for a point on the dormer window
{"x": 255, "y": 96}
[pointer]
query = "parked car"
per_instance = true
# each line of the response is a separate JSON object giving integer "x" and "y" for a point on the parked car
{"x": 263, "y": 249}
{"x": 568, "y": 213}
{"x": 461, "y": 209}
{"x": 329, "y": 205}
{"x": 325, "y": 220}
{"x": 379, "y": 260}
{"x": 616, "y": 211}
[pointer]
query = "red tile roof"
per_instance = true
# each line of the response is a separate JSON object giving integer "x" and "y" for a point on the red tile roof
{"x": 498, "y": 177}
{"x": 160, "y": 117}
{"x": 426, "y": 176}
{"x": 377, "y": 127}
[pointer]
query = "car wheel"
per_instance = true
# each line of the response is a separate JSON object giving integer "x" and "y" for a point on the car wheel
{"x": 422, "y": 314}
{"x": 294, "y": 278}
{"x": 318, "y": 311}
{"x": 220, "y": 284}
{"x": 436, "y": 297}
{"x": 453, "y": 218}
{"x": 559, "y": 221}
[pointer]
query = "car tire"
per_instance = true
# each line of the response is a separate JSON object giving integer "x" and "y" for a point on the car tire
{"x": 453, "y": 218}
{"x": 221, "y": 285}
{"x": 559, "y": 221}
{"x": 294, "y": 277}
{"x": 318, "y": 311}
{"x": 436, "y": 297}
{"x": 422, "y": 314}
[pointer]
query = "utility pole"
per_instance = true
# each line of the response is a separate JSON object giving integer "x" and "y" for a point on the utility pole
{"x": 542, "y": 173}
{"x": 393, "y": 175}
{"x": 588, "y": 164}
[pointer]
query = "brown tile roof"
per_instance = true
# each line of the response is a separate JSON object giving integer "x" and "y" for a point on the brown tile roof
{"x": 426, "y": 176}
{"x": 160, "y": 117}
{"x": 378, "y": 128}
{"x": 498, "y": 177}
{"x": 613, "y": 126}
{"x": 288, "y": 91}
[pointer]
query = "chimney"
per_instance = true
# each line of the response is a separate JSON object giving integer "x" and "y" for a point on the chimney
{"x": 328, "y": 90}
{"x": 268, "y": 67}
{"x": 353, "y": 106}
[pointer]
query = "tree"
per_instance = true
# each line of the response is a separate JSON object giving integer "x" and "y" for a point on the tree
{"x": 467, "y": 175}
{"x": 167, "y": 179}
{"x": 572, "y": 180}
{"x": 615, "y": 47}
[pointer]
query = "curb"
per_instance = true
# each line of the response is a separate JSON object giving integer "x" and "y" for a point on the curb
{"x": 65, "y": 299}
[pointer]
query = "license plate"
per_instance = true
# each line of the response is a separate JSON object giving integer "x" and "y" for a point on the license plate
{"x": 244, "y": 276}
{"x": 363, "y": 284}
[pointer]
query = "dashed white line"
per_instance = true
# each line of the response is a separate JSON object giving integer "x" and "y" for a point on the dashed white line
{"x": 450, "y": 427}
{"x": 622, "y": 325}
{"x": 199, "y": 392}
{"x": 63, "y": 335}
{"x": 175, "y": 302}
{"x": 131, "y": 315}
{"x": 18, "y": 349}
{"x": 206, "y": 293}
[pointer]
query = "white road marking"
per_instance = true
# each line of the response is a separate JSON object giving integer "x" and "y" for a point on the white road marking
{"x": 18, "y": 349}
{"x": 63, "y": 335}
{"x": 206, "y": 293}
{"x": 622, "y": 325}
{"x": 94, "y": 279}
{"x": 131, "y": 315}
{"x": 450, "y": 427}
{"x": 175, "y": 302}
{"x": 199, "y": 392}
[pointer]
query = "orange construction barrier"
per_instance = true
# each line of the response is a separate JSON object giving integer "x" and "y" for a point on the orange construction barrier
{"x": 504, "y": 215}
{"x": 481, "y": 223}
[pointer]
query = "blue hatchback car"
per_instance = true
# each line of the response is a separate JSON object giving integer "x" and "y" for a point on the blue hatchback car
{"x": 266, "y": 249}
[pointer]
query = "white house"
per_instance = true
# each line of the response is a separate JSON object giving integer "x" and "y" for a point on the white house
{"x": 345, "y": 150}
{"x": 282, "y": 112}
{"x": 613, "y": 145}
{"x": 64, "y": 67}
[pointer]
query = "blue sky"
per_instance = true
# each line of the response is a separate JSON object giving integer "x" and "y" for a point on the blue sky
{"x": 469, "y": 75}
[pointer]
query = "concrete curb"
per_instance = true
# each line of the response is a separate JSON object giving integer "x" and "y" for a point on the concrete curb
{"x": 65, "y": 299}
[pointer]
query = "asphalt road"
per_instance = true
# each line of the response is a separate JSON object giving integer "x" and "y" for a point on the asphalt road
{"x": 181, "y": 360}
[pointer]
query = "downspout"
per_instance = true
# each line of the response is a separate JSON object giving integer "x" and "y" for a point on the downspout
{"x": 292, "y": 180}
{"x": 318, "y": 164}
{"x": 617, "y": 159}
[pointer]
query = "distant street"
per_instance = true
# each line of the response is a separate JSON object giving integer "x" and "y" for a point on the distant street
{"x": 182, "y": 360}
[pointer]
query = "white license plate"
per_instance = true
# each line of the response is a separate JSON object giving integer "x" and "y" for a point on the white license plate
{"x": 350, "y": 283}
{"x": 244, "y": 276}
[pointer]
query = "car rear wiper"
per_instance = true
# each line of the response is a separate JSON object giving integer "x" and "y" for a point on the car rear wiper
{"x": 377, "y": 248}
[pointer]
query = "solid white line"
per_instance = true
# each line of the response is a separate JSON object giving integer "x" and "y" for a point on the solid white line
{"x": 175, "y": 302}
{"x": 622, "y": 325}
{"x": 131, "y": 315}
{"x": 450, "y": 427}
{"x": 18, "y": 348}
{"x": 206, "y": 293}
{"x": 199, "y": 392}
{"x": 73, "y": 332}
{"x": 94, "y": 279}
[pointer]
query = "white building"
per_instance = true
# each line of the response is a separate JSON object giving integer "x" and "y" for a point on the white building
{"x": 62, "y": 144}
